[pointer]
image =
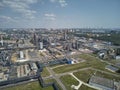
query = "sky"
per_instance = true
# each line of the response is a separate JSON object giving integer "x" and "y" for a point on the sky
{"x": 59, "y": 13}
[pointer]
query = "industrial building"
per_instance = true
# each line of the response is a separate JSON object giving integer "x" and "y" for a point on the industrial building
{"x": 3, "y": 76}
{"x": 111, "y": 68}
{"x": 102, "y": 83}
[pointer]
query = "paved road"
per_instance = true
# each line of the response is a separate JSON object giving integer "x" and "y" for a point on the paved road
{"x": 106, "y": 72}
{"x": 81, "y": 82}
{"x": 66, "y": 73}
{"x": 56, "y": 78}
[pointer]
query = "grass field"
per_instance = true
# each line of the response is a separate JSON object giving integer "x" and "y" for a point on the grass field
{"x": 90, "y": 62}
{"x": 95, "y": 62}
{"x": 29, "y": 86}
{"x": 83, "y": 87}
{"x": 45, "y": 72}
{"x": 85, "y": 75}
{"x": 68, "y": 68}
{"x": 68, "y": 80}
{"x": 108, "y": 76}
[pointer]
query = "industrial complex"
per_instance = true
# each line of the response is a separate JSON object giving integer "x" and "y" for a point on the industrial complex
{"x": 25, "y": 55}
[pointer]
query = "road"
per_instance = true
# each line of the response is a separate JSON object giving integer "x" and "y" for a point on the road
{"x": 105, "y": 72}
{"x": 66, "y": 73}
{"x": 81, "y": 82}
{"x": 56, "y": 78}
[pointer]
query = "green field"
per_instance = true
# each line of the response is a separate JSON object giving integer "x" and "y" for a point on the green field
{"x": 29, "y": 86}
{"x": 90, "y": 62}
{"x": 85, "y": 75}
{"x": 95, "y": 62}
{"x": 45, "y": 72}
{"x": 107, "y": 76}
{"x": 83, "y": 87}
{"x": 68, "y": 80}
{"x": 68, "y": 68}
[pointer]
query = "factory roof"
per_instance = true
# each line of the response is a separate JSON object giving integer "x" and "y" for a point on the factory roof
{"x": 112, "y": 68}
{"x": 102, "y": 81}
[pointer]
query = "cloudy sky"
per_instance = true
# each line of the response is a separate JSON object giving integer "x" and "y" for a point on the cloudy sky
{"x": 59, "y": 13}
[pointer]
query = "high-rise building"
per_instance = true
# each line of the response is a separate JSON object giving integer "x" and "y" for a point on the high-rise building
{"x": 21, "y": 55}
{"x": 1, "y": 41}
{"x": 41, "y": 45}
{"x": 35, "y": 39}
{"x": 65, "y": 35}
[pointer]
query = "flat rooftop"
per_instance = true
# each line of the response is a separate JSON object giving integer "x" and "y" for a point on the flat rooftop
{"x": 102, "y": 81}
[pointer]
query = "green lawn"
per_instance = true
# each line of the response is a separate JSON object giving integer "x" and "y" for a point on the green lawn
{"x": 83, "y": 87}
{"x": 68, "y": 68}
{"x": 45, "y": 72}
{"x": 90, "y": 62}
{"x": 107, "y": 76}
{"x": 68, "y": 80}
{"x": 29, "y": 86}
{"x": 84, "y": 75}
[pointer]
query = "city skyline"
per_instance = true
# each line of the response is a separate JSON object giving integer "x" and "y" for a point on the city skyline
{"x": 59, "y": 14}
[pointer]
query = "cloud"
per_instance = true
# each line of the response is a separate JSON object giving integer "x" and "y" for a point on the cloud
{"x": 20, "y": 6}
{"x": 1, "y": 4}
{"x": 29, "y": 1}
{"x": 6, "y": 19}
{"x": 62, "y": 3}
{"x": 50, "y": 16}
{"x": 52, "y": 0}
